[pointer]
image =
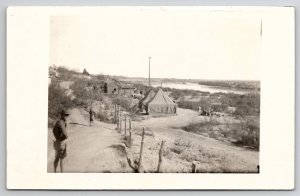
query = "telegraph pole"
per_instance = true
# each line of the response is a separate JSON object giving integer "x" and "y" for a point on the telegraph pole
{"x": 149, "y": 70}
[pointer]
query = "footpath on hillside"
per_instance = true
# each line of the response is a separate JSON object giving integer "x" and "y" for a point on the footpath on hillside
{"x": 89, "y": 149}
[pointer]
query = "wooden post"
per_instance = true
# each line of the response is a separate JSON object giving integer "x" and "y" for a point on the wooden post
{"x": 120, "y": 120}
{"x": 119, "y": 111}
{"x": 160, "y": 156}
{"x": 116, "y": 113}
{"x": 125, "y": 126}
{"x": 141, "y": 151}
{"x": 117, "y": 117}
{"x": 130, "y": 139}
{"x": 193, "y": 167}
{"x": 129, "y": 123}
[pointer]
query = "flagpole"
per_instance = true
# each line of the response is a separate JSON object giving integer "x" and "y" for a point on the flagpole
{"x": 149, "y": 70}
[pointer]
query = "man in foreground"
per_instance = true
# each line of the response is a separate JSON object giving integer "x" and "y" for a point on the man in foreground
{"x": 60, "y": 145}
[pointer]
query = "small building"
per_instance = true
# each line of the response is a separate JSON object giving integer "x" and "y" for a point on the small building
{"x": 127, "y": 91}
{"x": 118, "y": 88}
{"x": 113, "y": 87}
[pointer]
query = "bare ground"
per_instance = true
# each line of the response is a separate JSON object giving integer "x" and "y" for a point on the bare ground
{"x": 99, "y": 148}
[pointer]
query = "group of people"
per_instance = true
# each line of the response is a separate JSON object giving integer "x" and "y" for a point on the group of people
{"x": 61, "y": 135}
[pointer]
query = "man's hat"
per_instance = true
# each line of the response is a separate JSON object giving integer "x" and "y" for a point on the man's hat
{"x": 64, "y": 113}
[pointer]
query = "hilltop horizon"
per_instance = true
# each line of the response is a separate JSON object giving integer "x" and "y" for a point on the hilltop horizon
{"x": 154, "y": 78}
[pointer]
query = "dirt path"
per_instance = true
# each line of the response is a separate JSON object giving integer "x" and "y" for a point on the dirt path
{"x": 89, "y": 148}
{"x": 168, "y": 128}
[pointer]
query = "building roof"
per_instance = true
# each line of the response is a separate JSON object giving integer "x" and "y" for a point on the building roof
{"x": 160, "y": 98}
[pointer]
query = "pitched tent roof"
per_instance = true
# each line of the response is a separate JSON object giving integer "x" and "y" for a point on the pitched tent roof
{"x": 147, "y": 98}
{"x": 161, "y": 103}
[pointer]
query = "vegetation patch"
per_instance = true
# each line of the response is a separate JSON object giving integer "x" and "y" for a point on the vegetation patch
{"x": 245, "y": 133}
{"x": 58, "y": 100}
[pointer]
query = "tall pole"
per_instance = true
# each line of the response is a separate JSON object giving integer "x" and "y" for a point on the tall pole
{"x": 149, "y": 70}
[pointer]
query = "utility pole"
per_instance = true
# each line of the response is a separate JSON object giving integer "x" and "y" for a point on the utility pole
{"x": 149, "y": 70}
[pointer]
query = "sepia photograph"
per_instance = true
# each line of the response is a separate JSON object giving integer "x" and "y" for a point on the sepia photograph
{"x": 150, "y": 98}
{"x": 154, "y": 91}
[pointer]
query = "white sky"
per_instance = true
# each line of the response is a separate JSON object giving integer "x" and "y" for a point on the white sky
{"x": 183, "y": 43}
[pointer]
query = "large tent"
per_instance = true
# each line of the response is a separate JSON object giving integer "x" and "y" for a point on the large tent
{"x": 143, "y": 102}
{"x": 161, "y": 103}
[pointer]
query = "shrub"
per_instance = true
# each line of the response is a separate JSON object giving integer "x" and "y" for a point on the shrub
{"x": 219, "y": 108}
{"x": 246, "y": 105}
{"x": 80, "y": 90}
{"x": 182, "y": 142}
{"x": 202, "y": 127}
{"x": 181, "y": 93}
{"x": 249, "y": 136}
{"x": 65, "y": 73}
{"x": 104, "y": 116}
{"x": 125, "y": 103}
{"x": 204, "y": 103}
{"x": 57, "y": 100}
{"x": 244, "y": 134}
{"x": 192, "y": 105}
{"x": 83, "y": 90}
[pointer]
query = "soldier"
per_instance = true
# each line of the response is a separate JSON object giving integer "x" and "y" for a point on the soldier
{"x": 60, "y": 145}
{"x": 91, "y": 116}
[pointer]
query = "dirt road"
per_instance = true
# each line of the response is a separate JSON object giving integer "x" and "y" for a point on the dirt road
{"x": 90, "y": 148}
{"x": 231, "y": 158}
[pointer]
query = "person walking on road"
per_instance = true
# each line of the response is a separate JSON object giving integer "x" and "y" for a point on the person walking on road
{"x": 91, "y": 116}
{"x": 60, "y": 145}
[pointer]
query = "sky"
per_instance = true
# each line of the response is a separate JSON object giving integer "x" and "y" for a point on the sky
{"x": 182, "y": 43}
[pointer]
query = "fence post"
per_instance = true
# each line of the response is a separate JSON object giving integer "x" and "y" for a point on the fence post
{"x": 125, "y": 126}
{"x": 160, "y": 156}
{"x": 130, "y": 139}
{"x": 120, "y": 121}
{"x": 119, "y": 110}
{"x": 129, "y": 123}
{"x": 141, "y": 151}
{"x": 193, "y": 167}
{"x": 115, "y": 113}
{"x": 117, "y": 117}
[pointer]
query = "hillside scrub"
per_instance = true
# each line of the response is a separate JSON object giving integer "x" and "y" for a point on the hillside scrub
{"x": 57, "y": 100}
{"x": 126, "y": 103}
{"x": 245, "y": 133}
{"x": 66, "y": 74}
{"x": 179, "y": 94}
{"x": 84, "y": 91}
{"x": 246, "y": 105}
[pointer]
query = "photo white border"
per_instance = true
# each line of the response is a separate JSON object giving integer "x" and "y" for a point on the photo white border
{"x": 27, "y": 77}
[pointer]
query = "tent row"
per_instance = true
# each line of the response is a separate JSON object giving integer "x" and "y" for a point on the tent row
{"x": 157, "y": 103}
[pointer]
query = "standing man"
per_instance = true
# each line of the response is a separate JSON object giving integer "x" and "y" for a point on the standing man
{"x": 199, "y": 110}
{"x": 91, "y": 116}
{"x": 60, "y": 145}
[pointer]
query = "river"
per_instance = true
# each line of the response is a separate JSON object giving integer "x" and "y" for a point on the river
{"x": 204, "y": 88}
